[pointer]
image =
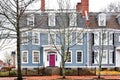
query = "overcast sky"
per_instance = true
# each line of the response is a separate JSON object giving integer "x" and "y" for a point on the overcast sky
{"x": 94, "y": 5}
{"x": 97, "y": 5}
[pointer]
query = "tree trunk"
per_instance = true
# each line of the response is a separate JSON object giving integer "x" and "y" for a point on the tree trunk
{"x": 18, "y": 44}
{"x": 99, "y": 70}
{"x": 18, "y": 57}
{"x": 63, "y": 69}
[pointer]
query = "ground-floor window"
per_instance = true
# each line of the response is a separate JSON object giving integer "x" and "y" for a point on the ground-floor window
{"x": 68, "y": 56}
{"x": 107, "y": 57}
{"x": 111, "y": 57}
{"x": 36, "y": 56}
{"x": 104, "y": 57}
{"x": 79, "y": 56}
{"x": 24, "y": 56}
{"x": 96, "y": 57}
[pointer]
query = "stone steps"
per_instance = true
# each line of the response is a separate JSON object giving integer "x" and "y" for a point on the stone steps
{"x": 52, "y": 71}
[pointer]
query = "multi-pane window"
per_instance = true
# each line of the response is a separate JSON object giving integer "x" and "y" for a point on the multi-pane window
{"x": 96, "y": 57}
{"x": 73, "y": 19}
{"x": 36, "y": 56}
{"x": 111, "y": 57}
{"x": 68, "y": 56}
{"x": 51, "y": 19}
{"x": 104, "y": 57}
{"x": 79, "y": 56}
{"x": 35, "y": 38}
{"x": 25, "y": 57}
{"x": 79, "y": 38}
{"x": 110, "y": 38}
{"x": 68, "y": 38}
{"x": 30, "y": 20}
{"x": 119, "y": 38}
{"x": 96, "y": 38}
{"x": 24, "y": 38}
{"x": 102, "y": 19}
{"x": 104, "y": 39}
{"x": 52, "y": 39}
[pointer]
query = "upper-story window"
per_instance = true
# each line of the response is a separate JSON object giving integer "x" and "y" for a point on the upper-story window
{"x": 96, "y": 38}
{"x": 68, "y": 38}
{"x": 118, "y": 18}
{"x": 24, "y": 38}
{"x": 35, "y": 38}
{"x": 73, "y": 19}
{"x": 104, "y": 38}
{"x": 52, "y": 39}
{"x": 30, "y": 20}
{"x": 79, "y": 38}
{"x": 111, "y": 37}
{"x": 24, "y": 56}
{"x": 51, "y": 19}
{"x": 102, "y": 19}
{"x": 36, "y": 57}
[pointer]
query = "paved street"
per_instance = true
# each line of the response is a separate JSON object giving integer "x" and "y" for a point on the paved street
{"x": 59, "y": 78}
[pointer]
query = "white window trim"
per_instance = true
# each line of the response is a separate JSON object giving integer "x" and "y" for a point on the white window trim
{"x": 22, "y": 38}
{"x": 71, "y": 57}
{"x": 97, "y": 62}
{"x": 106, "y": 43}
{"x": 51, "y": 23}
{"x": 27, "y": 57}
{"x": 111, "y": 41}
{"x": 119, "y": 38}
{"x": 33, "y": 56}
{"x": 81, "y": 57}
{"x": 82, "y": 38}
{"x": 109, "y": 56}
{"x": 33, "y": 33}
{"x": 28, "y": 19}
{"x": 98, "y": 40}
{"x": 73, "y": 19}
{"x": 70, "y": 38}
{"x": 49, "y": 39}
{"x": 106, "y": 61}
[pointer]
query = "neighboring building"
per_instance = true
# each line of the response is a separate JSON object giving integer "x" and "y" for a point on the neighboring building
{"x": 92, "y": 34}
{"x": 104, "y": 38}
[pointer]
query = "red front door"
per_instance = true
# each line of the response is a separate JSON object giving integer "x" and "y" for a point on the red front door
{"x": 52, "y": 60}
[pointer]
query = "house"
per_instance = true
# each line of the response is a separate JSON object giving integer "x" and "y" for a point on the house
{"x": 88, "y": 36}
{"x": 104, "y": 39}
{"x": 41, "y": 45}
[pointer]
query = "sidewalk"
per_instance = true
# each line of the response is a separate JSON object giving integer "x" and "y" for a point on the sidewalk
{"x": 59, "y": 78}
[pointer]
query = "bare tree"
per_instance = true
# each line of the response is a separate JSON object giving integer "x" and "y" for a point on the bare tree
{"x": 112, "y": 7}
{"x": 67, "y": 31}
{"x": 12, "y": 10}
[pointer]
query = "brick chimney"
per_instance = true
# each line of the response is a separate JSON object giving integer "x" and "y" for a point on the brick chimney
{"x": 78, "y": 7}
{"x": 83, "y": 7}
{"x": 42, "y": 5}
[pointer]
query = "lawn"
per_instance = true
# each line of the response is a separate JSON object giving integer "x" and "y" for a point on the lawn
{"x": 107, "y": 72}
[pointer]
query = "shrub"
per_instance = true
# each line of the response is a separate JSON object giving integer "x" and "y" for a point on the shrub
{"x": 3, "y": 74}
{"x": 13, "y": 73}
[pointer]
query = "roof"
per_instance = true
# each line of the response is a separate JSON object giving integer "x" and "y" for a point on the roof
{"x": 111, "y": 20}
{"x": 41, "y": 20}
